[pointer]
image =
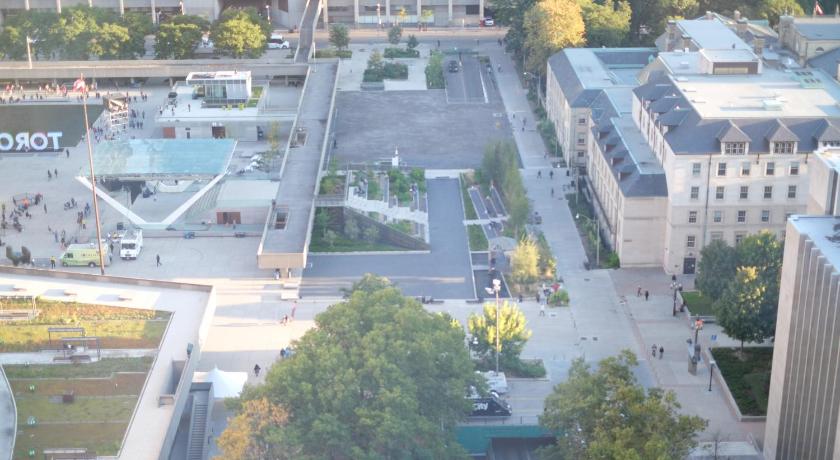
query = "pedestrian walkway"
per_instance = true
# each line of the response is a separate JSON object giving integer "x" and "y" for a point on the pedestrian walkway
{"x": 8, "y": 418}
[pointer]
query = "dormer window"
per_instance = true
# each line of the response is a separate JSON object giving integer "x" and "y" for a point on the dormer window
{"x": 784, "y": 147}
{"x": 734, "y": 148}
{"x": 831, "y": 143}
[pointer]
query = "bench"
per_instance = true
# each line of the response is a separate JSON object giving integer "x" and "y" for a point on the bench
{"x": 70, "y": 292}
{"x": 125, "y": 297}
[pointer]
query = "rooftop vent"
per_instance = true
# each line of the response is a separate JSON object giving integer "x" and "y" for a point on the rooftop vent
{"x": 772, "y": 104}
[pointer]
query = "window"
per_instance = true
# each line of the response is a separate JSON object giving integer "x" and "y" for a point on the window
{"x": 735, "y": 148}
{"x": 695, "y": 169}
{"x": 739, "y": 236}
{"x": 745, "y": 168}
{"x": 744, "y": 193}
{"x": 582, "y": 121}
{"x": 692, "y": 217}
{"x": 783, "y": 147}
{"x": 768, "y": 192}
{"x": 770, "y": 169}
{"x": 717, "y": 216}
{"x": 721, "y": 169}
{"x": 765, "y": 215}
{"x": 472, "y": 9}
{"x": 695, "y": 193}
{"x": 580, "y": 153}
{"x": 690, "y": 241}
{"x": 831, "y": 143}
{"x": 581, "y": 140}
{"x": 794, "y": 168}
{"x": 716, "y": 236}
{"x": 742, "y": 216}
{"x": 791, "y": 191}
{"x": 719, "y": 193}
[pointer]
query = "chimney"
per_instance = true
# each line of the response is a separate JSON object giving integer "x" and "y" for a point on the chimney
{"x": 709, "y": 15}
{"x": 671, "y": 38}
{"x": 741, "y": 27}
{"x": 736, "y": 15}
{"x": 686, "y": 42}
{"x": 758, "y": 46}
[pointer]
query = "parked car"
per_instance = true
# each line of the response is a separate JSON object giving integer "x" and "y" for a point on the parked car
{"x": 277, "y": 42}
{"x": 453, "y": 66}
{"x": 488, "y": 21}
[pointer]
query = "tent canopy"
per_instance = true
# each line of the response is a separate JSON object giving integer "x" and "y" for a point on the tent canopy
{"x": 225, "y": 384}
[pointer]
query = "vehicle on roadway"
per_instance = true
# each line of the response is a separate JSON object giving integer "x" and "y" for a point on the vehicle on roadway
{"x": 490, "y": 406}
{"x": 131, "y": 244}
{"x": 453, "y": 66}
{"x": 83, "y": 254}
{"x": 488, "y": 22}
{"x": 277, "y": 42}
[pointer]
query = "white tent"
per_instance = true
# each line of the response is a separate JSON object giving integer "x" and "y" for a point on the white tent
{"x": 225, "y": 384}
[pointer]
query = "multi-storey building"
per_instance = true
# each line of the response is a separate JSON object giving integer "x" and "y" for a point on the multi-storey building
{"x": 715, "y": 144}
{"x": 286, "y": 12}
{"x": 804, "y": 405}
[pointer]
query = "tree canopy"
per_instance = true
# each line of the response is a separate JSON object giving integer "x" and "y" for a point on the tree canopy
{"x": 256, "y": 433}
{"x": 716, "y": 268}
{"x": 606, "y": 414}
{"x": 378, "y": 377}
{"x": 551, "y": 25}
{"x": 513, "y": 332}
{"x": 607, "y": 24}
{"x": 241, "y": 32}
{"x": 177, "y": 41}
{"x": 339, "y": 36}
{"x": 740, "y": 311}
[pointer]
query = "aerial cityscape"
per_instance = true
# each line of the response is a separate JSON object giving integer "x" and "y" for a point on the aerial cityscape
{"x": 490, "y": 229}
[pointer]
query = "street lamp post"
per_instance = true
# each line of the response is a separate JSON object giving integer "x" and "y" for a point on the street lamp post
{"x": 29, "y": 51}
{"x": 181, "y": 5}
{"x": 676, "y": 287}
{"x": 497, "y": 286}
{"x": 711, "y": 369}
{"x": 268, "y": 13}
{"x": 378, "y": 15}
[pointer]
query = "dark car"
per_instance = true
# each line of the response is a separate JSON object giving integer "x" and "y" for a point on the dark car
{"x": 491, "y": 406}
{"x": 453, "y": 66}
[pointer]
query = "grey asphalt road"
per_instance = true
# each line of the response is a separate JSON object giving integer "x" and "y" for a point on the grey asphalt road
{"x": 467, "y": 85}
{"x": 442, "y": 273}
{"x": 428, "y": 132}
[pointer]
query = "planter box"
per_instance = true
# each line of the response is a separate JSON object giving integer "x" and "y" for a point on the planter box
{"x": 730, "y": 400}
{"x": 692, "y": 318}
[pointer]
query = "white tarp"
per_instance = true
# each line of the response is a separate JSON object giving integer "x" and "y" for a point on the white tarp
{"x": 225, "y": 384}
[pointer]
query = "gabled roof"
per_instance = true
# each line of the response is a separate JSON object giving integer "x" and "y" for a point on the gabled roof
{"x": 826, "y": 131}
{"x": 667, "y": 103}
{"x": 778, "y": 132}
{"x": 827, "y": 61}
{"x": 674, "y": 117}
{"x": 729, "y": 132}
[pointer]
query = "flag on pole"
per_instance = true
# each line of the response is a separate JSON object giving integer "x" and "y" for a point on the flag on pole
{"x": 818, "y": 11}
{"x": 79, "y": 85}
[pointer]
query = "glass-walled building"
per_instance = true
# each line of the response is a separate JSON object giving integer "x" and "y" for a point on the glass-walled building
{"x": 221, "y": 88}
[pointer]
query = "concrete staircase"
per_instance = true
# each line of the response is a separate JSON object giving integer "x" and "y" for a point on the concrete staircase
{"x": 198, "y": 428}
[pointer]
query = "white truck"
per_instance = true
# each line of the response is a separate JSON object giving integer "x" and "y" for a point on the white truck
{"x": 131, "y": 244}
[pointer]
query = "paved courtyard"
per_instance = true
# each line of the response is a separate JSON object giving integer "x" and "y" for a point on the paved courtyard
{"x": 428, "y": 132}
{"x": 445, "y": 272}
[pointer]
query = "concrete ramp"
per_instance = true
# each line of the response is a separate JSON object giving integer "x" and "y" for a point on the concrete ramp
{"x": 307, "y": 31}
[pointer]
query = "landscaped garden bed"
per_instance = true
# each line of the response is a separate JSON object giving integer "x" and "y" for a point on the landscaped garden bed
{"x": 104, "y": 393}
{"x": 478, "y": 240}
{"x": 697, "y": 304}
{"x": 747, "y": 376}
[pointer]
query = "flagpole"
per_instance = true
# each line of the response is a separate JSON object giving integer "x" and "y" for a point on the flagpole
{"x": 93, "y": 184}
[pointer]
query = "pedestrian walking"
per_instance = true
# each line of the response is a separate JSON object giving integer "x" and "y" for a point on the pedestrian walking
{"x": 653, "y": 350}
{"x": 110, "y": 257}
{"x": 539, "y": 174}
{"x": 49, "y": 175}
{"x": 542, "y": 309}
{"x": 661, "y": 351}
{"x": 647, "y": 294}
{"x": 294, "y": 307}
{"x": 52, "y": 261}
{"x": 45, "y": 208}
{"x": 285, "y": 320}
{"x": 552, "y": 192}
{"x": 551, "y": 174}
{"x": 256, "y": 370}
{"x": 56, "y": 172}
{"x": 639, "y": 291}
{"x": 157, "y": 259}
{"x": 67, "y": 152}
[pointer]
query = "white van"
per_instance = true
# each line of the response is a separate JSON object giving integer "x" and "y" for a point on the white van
{"x": 131, "y": 244}
{"x": 277, "y": 42}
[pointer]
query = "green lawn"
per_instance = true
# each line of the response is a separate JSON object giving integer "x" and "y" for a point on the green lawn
{"x": 343, "y": 244}
{"x": 697, "y": 304}
{"x": 469, "y": 209}
{"x": 101, "y": 369}
{"x": 128, "y": 333}
{"x": 747, "y": 379}
{"x": 478, "y": 241}
{"x": 102, "y": 438}
{"x": 112, "y": 409}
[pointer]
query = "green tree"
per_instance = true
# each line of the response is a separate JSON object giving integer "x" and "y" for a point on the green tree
{"x": 434, "y": 71}
{"x": 76, "y": 28}
{"x": 330, "y": 237}
{"x": 339, "y": 36}
{"x": 13, "y": 43}
{"x": 524, "y": 263}
{"x": 426, "y": 16}
{"x": 394, "y": 35}
{"x": 351, "y": 228}
{"x": 323, "y": 220}
{"x": 718, "y": 262}
{"x": 512, "y": 13}
{"x": 112, "y": 41}
{"x": 240, "y": 35}
{"x": 402, "y": 15}
{"x": 772, "y": 9}
{"x": 513, "y": 331}
{"x": 250, "y": 14}
{"x": 377, "y": 377}
{"x": 412, "y": 42}
{"x": 199, "y": 21}
{"x": 139, "y": 25}
{"x": 256, "y": 433}
{"x": 740, "y": 310}
{"x": 551, "y": 25}
{"x": 606, "y": 414}
{"x": 606, "y": 24}
{"x": 764, "y": 252}
{"x": 176, "y": 41}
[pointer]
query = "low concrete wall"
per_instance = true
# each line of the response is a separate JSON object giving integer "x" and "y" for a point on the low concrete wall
{"x": 730, "y": 400}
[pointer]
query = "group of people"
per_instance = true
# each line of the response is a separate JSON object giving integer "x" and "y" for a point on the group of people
{"x": 20, "y": 209}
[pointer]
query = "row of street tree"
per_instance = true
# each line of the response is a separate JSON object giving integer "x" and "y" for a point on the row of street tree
{"x": 540, "y": 28}
{"x": 380, "y": 377}
{"x": 82, "y": 32}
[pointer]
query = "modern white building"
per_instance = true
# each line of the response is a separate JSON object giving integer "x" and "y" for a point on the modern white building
{"x": 715, "y": 144}
{"x": 803, "y": 406}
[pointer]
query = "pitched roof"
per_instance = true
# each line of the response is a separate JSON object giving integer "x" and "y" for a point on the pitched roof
{"x": 827, "y": 131}
{"x": 827, "y": 61}
{"x": 729, "y": 132}
{"x": 778, "y": 132}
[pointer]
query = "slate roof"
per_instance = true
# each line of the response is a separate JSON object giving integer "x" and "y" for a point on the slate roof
{"x": 827, "y": 61}
{"x": 690, "y": 134}
{"x": 823, "y": 30}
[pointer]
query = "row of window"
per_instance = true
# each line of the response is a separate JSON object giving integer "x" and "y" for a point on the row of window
{"x": 740, "y": 216}
{"x": 746, "y": 168}
{"x": 740, "y": 148}
{"x": 743, "y": 192}
{"x": 691, "y": 240}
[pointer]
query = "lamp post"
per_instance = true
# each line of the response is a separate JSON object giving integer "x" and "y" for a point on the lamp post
{"x": 497, "y": 286}
{"x": 597, "y": 236}
{"x": 711, "y": 368}
{"x": 181, "y": 5}
{"x": 268, "y": 13}
{"x": 676, "y": 287}
{"x": 29, "y": 51}
{"x": 378, "y": 15}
